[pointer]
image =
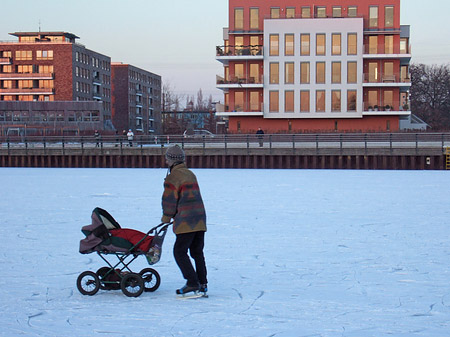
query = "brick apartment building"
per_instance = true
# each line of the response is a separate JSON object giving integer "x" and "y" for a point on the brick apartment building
{"x": 299, "y": 66}
{"x": 50, "y": 84}
{"x": 136, "y": 99}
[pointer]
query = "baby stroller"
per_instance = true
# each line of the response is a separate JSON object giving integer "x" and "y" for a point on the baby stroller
{"x": 105, "y": 237}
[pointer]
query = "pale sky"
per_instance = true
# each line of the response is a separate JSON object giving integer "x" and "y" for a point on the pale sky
{"x": 176, "y": 38}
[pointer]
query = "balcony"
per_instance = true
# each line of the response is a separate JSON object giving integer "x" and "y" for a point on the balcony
{"x": 5, "y": 60}
{"x": 244, "y": 109}
{"x": 240, "y": 82}
{"x": 381, "y": 52}
{"x": 27, "y": 76}
{"x": 225, "y": 54}
{"x": 386, "y": 109}
{"x": 377, "y": 80}
{"x": 27, "y": 91}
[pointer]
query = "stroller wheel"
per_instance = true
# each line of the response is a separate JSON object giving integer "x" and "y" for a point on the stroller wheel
{"x": 132, "y": 285}
{"x": 109, "y": 280}
{"x": 151, "y": 278}
{"x": 88, "y": 283}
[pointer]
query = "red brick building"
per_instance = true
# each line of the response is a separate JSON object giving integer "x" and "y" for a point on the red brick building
{"x": 136, "y": 99}
{"x": 294, "y": 66}
{"x": 45, "y": 67}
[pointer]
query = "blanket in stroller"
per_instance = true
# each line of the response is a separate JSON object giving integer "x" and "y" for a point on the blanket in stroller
{"x": 105, "y": 234}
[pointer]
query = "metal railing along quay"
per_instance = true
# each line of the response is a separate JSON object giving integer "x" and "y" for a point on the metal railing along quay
{"x": 314, "y": 142}
{"x": 417, "y": 151}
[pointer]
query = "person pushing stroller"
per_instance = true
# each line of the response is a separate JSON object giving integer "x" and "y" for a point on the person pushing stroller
{"x": 182, "y": 202}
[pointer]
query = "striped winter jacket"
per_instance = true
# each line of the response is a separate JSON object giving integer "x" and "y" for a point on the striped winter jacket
{"x": 182, "y": 201}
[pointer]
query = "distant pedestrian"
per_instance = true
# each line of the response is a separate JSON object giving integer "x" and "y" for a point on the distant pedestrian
{"x": 117, "y": 139}
{"x": 97, "y": 138}
{"x": 130, "y": 136}
{"x": 260, "y": 135}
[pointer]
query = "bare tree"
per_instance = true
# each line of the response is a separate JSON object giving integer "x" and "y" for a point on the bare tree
{"x": 169, "y": 100}
{"x": 430, "y": 94}
{"x": 200, "y": 105}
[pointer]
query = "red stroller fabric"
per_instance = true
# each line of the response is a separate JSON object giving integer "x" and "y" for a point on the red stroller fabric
{"x": 134, "y": 237}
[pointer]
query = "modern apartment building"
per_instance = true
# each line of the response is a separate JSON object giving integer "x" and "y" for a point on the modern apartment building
{"x": 50, "y": 67}
{"x": 299, "y": 66}
{"x": 50, "y": 84}
{"x": 136, "y": 99}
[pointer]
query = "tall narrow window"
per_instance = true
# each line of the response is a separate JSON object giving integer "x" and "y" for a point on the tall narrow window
{"x": 275, "y": 13}
{"x": 320, "y": 100}
{"x": 254, "y": 73}
{"x": 274, "y": 45}
{"x": 305, "y": 44}
{"x": 336, "y": 72}
{"x": 227, "y": 73}
{"x": 337, "y": 12}
{"x": 352, "y": 44}
{"x": 254, "y": 101}
{"x": 321, "y": 12}
{"x": 239, "y": 101}
{"x": 254, "y": 18}
{"x": 336, "y": 100}
{"x": 290, "y": 13}
{"x": 351, "y": 100}
{"x": 306, "y": 12}
{"x": 388, "y": 72}
{"x": 373, "y": 44}
{"x": 304, "y": 73}
{"x": 373, "y": 72}
{"x": 403, "y": 46}
{"x": 274, "y": 73}
{"x": 336, "y": 44}
{"x": 304, "y": 101}
{"x": 373, "y": 16}
{"x": 352, "y": 72}
{"x": 288, "y": 101}
{"x": 389, "y": 44}
{"x": 289, "y": 44}
{"x": 289, "y": 73}
{"x": 238, "y": 18}
{"x": 352, "y": 11}
{"x": 373, "y": 98}
{"x": 404, "y": 74}
{"x": 388, "y": 98}
{"x": 239, "y": 44}
{"x": 389, "y": 16}
{"x": 255, "y": 48}
{"x": 273, "y": 101}
{"x": 320, "y": 44}
{"x": 320, "y": 72}
{"x": 239, "y": 70}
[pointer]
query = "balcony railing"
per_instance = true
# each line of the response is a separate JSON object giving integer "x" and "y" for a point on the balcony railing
{"x": 5, "y": 60}
{"x": 238, "y": 50}
{"x": 240, "y": 80}
{"x": 24, "y": 76}
{"x": 383, "y": 78}
{"x": 380, "y": 49}
{"x": 386, "y": 107}
{"x": 25, "y": 91}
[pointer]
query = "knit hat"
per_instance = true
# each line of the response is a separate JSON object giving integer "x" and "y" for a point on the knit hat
{"x": 175, "y": 154}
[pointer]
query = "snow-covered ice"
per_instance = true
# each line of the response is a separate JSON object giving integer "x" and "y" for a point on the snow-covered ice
{"x": 289, "y": 253}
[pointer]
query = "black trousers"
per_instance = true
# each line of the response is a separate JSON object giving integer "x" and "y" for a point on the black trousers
{"x": 194, "y": 242}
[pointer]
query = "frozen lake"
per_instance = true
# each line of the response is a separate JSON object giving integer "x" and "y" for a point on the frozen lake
{"x": 289, "y": 253}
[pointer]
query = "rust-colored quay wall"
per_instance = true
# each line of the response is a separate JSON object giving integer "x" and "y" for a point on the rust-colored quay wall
{"x": 232, "y": 161}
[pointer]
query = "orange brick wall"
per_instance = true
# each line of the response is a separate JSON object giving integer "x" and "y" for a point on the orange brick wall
{"x": 366, "y": 124}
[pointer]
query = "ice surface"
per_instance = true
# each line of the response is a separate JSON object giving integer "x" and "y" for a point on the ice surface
{"x": 289, "y": 253}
